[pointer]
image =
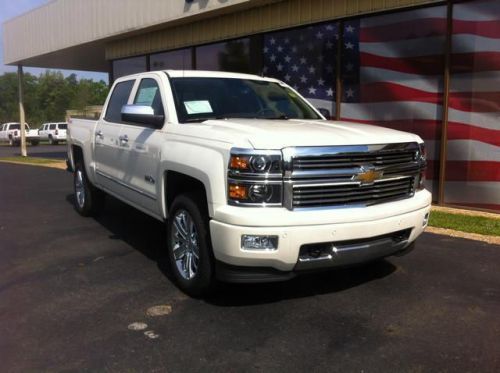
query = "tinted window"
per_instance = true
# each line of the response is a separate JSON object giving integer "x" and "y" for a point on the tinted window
{"x": 199, "y": 99}
{"x": 129, "y": 66}
{"x": 15, "y": 126}
{"x": 179, "y": 60}
{"x": 63, "y": 126}
{"x": 148, "y": 94}
{"x": 119, "y": 97}
{"x": 227, "y": 56}
{"x": 52, "y": 126}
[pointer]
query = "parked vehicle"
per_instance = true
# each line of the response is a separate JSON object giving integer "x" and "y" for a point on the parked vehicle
{"x": 252, "y": 182}
{"x": 11, "y": 133}
{"x": 53, "y": 132}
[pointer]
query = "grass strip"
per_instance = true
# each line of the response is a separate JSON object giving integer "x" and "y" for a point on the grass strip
{"x": 30, "y": 160}
{"x": 465, "y": 223}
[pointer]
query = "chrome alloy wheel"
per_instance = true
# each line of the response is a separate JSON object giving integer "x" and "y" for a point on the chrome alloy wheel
{"x": 185, "y": 246}
{"x": 79, "y": 189}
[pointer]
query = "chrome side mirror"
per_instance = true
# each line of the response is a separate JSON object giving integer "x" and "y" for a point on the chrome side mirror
{"x": 142, "y": 114}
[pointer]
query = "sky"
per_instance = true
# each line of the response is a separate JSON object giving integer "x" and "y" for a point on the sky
{"x": 12, "y": 8}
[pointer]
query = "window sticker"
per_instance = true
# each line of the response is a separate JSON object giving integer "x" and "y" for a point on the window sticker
{"x": 146, "y": 96}
{"x": 198, "y": 107}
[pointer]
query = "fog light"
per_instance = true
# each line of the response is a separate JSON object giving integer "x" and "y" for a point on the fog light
{"x": 251, "y": 242}
{"x": 260, "y": 193}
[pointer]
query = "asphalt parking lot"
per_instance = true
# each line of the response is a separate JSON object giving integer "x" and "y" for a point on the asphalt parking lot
{"x": 71, "y": 287}
{"x": 42, "y": 151}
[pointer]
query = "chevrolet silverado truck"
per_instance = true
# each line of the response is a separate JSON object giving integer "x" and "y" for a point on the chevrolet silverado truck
{"x": 11, "y": 133}
{"x": 252, "y": 182}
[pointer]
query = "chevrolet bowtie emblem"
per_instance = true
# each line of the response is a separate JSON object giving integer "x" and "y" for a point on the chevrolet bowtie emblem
{"x": 368, "y": 175}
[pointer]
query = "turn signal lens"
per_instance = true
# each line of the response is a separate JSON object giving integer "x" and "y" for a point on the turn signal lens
{"x": 239, "y": 162}
{"x": 239, "y": 192}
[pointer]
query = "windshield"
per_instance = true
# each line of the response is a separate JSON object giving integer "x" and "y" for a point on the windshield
{"x": 199, "y": 99}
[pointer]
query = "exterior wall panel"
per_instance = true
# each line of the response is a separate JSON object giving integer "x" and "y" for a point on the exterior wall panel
{"x": 281, "y": 14}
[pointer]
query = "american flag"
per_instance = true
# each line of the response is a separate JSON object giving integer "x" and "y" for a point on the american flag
{"x": 305, "y": 59}
{"x": 392, "y": 68}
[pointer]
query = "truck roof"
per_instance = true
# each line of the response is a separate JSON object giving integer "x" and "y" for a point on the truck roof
{"x": 207, "y": 74}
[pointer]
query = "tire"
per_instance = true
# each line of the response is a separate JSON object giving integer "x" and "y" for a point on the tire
{"x": 12, "y": 142}
{"x": 34, "y": 143}
{"x": 89, "y": 201}
{"x": 52, "y": 141}
{"x": 190, "y": 257}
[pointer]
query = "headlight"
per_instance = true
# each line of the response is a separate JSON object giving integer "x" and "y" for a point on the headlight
{"x": 255, "y": 177}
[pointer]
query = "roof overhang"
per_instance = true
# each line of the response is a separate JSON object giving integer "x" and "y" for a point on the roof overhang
{"x": 72, "y": 34}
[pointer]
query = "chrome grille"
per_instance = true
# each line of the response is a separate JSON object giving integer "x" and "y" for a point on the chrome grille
{"x": 314, "y": 195}
{"x": 330, "y": 176}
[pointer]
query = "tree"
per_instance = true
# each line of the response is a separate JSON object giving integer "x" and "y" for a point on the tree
{"x": 48, "y": 96}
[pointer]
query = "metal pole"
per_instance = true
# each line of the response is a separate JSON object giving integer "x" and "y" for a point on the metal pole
{"x": 446, "y": 97}
{"x": 22, "y": 120}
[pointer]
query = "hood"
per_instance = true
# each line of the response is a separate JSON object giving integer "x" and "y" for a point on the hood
{"x": 278, "y": 134}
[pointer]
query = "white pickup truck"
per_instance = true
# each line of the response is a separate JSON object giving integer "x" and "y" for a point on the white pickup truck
{"x": 11, "y": 133}
{"x": 251, "y": 180}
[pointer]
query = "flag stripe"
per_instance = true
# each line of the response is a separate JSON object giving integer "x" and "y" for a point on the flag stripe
{"x": 410, "y": 29}
{"x": 422, "y": 65}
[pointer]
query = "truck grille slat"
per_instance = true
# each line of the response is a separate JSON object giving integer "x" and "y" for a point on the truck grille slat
{"x": 304, "y": 196}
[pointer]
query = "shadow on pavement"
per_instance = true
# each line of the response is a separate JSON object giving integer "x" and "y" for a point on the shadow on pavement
{"x": 148, "y": 236}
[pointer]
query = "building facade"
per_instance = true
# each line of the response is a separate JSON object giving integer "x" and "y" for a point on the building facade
{"x": 428, "y": 67}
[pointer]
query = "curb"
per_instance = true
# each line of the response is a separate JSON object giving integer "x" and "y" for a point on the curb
{"x": 492, "y": 240}
{"x": 58, "y": 165}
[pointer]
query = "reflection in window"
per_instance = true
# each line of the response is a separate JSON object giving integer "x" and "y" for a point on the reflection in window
{"x": 304, "y": 58}
{"x": 392, "y": 75}
{"x": 128, "y": 66}
{"x": 178, "y": 60}
{"x": 473, "y": 151}
{"x": 233, "y": 56}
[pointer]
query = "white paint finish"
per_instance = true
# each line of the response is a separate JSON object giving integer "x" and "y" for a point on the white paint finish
{"x": 66, "y": 23}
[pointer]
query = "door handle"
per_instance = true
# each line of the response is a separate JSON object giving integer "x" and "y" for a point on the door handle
{"x": 99, "y": 134}
{"x": 123, "y": 139}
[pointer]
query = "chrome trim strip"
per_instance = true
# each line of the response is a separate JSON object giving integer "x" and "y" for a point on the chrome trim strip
{"x": 126, "y": 185}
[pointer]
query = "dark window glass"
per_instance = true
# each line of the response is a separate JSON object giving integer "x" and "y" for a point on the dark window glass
{"x": 232, "y": 56}
{"x": 129, "y": 66}
{"x": 473, "y": 148}
{"x": 392, "y": 75}
{"x": 15, "y": 127}
{"x": 199, "y": 99}
{"x": 119, "y": 97}
{"x": 52, "y": 126}
{"x": 63, "y": 126}
{"x": 176, "y": 60}
{"x": 148, "y": 94}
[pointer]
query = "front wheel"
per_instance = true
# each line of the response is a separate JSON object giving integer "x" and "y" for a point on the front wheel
{"x": 189, "y": 245}
{"x": 88, "y": 200}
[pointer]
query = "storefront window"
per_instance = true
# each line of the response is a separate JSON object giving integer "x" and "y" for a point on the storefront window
{"x": 473, "y": 148}
{"x": 392, "y": 74}
{"x": 129, "y": 66}
{"x": 233, "y": 56}
{"x": 305, "y": 59}
{"x": 178, "y": 60}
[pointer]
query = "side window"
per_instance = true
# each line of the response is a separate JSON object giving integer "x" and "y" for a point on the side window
{"x": 148, "y": 94}
{"x": 118, "y": 99}
{"x": 52, "y": 126}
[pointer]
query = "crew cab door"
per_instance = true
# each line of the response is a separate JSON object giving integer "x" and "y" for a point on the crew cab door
{"x": 140, "y": 149}
{"x": 107, "y": 152}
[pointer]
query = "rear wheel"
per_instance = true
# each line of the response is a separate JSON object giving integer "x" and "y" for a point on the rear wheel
{"x": 189, "y": 245}
{"x": 52, "y": 141}
{"x": 34, "y": 142}
{"x": 88, "y": 200}
{"x": 12, "y": 142}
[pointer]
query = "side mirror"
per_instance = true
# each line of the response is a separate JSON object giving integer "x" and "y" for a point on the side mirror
{"x": 324, "y": 112}
{"x": 142, "y": 114}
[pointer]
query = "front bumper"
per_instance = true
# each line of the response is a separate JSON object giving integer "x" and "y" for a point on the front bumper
{"x": 351, "y": 242}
